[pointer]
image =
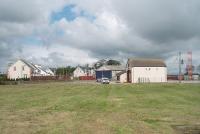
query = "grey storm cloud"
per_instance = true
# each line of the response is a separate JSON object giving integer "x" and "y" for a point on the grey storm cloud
{"x": 160, "y": 20}
{"x": 8, "y": 54}
{"x": 135, "y": 28}
{"x": 18, "y": 11}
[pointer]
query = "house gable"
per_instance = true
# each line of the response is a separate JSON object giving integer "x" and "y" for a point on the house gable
{"x": 19, "y": 70}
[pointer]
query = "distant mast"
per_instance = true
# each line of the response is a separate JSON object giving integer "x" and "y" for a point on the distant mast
{"x": 189, "y": 65}
{"x": 180, "y": 62}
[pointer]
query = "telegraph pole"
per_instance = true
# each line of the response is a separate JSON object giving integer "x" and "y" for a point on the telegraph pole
{"x": 180, "y": 62}
{"x": 189, "y": 66}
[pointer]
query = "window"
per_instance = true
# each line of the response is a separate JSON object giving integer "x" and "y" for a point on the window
{"x": 15, "y": 69}
{"x": 23, "y": 68}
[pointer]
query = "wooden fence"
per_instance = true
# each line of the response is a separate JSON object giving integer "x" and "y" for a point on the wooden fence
{"x": 175, "y": 77}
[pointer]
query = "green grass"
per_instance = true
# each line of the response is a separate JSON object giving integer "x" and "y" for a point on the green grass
{"x": 79, "y": 108}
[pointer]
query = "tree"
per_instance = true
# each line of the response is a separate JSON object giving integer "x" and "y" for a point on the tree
{"x": 198, "y": 68}
{"x": 100, "y": 63}
{"x": 70, "y": 70}
{"x": 65, "y": 70}
{"x": 113, "y": 62}
{"x": 3, "y": 77}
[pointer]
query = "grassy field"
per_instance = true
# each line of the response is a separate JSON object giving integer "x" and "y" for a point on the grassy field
{"x": 62, "y": 108}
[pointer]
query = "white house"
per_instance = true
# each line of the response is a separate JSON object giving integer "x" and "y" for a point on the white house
{"x": 146, "y": 71}
{"x": 83, "y": 71}
{"x": 23, "y": 69}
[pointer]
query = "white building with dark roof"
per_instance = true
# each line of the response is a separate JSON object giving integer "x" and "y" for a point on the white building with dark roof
{"x": 146, "y": 71}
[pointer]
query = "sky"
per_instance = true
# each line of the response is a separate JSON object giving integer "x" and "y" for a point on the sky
{"x": 58, "y": 33}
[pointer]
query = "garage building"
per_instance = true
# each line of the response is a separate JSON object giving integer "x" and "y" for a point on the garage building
{"x": 109, "y": 72}
{"x": 146, "y": 71}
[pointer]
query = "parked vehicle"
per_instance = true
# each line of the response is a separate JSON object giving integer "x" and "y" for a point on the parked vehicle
{"x": 105, "y": 81}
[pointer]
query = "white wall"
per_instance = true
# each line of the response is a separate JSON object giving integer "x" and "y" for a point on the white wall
{"x": 149, "y": 74}
{"x": 78, "y": 72}
{"x": 19, "y": 73}
{"x": 92, "y": 72}
{"x": 123, "y": 78}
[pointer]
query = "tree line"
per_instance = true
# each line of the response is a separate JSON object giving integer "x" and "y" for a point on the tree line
{"x": 64, "y": 70}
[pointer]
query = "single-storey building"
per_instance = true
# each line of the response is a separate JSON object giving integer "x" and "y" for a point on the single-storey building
{"x": 122, "y": 77}
{"x": 146, "y": 71}
{"x": 109, "y": 71}
{"x": 24, "y": 69}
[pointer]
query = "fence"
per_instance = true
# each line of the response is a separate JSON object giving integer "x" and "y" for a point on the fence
{"x": 172, "y": 77}
{"x": 175, "y": 77}
{"x": 87, "y": 78}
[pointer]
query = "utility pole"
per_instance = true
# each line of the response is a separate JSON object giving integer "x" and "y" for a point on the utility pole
{"x": 189, "y": 66}
{"x": 180, "y": 62}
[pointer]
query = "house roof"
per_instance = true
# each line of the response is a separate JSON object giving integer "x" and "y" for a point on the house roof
{"x": 41, "y": 68}
{"x": 112, "y": 68}
{"x": 120, "y": 73}
{"x": 29, "y": 64}
{"x": 36, "y": 67}
{"x": 135, "y": 62}
{"x": 84, "y": 68}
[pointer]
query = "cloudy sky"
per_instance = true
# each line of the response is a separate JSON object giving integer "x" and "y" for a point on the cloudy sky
{"x": 71, "y": 32}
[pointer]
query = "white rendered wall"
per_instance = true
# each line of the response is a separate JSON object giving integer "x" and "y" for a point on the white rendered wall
{"x": 149, "y": 74}
{"x": 123, "y": 78}
{"x": 19, "y": 73}
{"x": 78, "y": 72}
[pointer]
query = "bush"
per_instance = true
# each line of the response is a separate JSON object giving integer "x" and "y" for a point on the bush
{"x": 3, "y": 77}
{"x": 22, "y": 79}
{"x": 8, "y": 82}
{"x": 5, "y": 81}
